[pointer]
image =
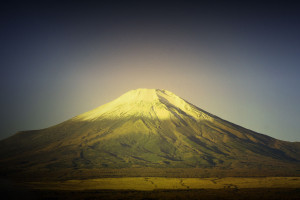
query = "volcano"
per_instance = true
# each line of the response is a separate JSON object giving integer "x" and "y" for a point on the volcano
{"x": 149, "y": 128}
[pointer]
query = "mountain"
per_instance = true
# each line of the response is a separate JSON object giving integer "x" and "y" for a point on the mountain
{"x": 145, "y": 128}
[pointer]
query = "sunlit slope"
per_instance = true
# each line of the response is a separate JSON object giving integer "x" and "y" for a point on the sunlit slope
{"x": 146, "y": 128}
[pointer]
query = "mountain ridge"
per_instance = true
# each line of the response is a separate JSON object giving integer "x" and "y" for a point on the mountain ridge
{"x": 146, "y": 128}
{"x": 143, "y": 98}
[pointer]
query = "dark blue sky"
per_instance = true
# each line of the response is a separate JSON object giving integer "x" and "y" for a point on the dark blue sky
{"x": 237, "y": 60}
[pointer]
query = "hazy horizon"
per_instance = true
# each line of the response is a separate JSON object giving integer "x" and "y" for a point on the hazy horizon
{"x": 239, "y": 61}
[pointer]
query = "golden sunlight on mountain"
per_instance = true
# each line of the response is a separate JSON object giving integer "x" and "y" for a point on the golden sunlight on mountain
{"x": 147, "y": 103}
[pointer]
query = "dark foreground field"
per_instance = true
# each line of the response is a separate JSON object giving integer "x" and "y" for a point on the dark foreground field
{"x": 207, "y": 194}
{"x": 146, "y": 188}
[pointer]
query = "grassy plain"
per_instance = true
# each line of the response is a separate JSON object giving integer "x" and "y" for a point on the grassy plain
{"x": 160, "y": 183}
{"x": 150, "y": 188}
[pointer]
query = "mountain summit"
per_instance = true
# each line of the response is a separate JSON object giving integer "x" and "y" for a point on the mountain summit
{"x": 150, "y": 104}
{"x": 145, "y": 128}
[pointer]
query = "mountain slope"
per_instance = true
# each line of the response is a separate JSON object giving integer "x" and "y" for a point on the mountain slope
{"x": 145, "y": 128}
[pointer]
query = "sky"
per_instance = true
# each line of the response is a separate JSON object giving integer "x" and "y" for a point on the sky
{"x": 237, "y": 60}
